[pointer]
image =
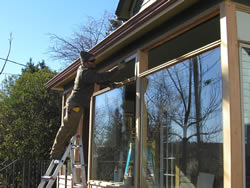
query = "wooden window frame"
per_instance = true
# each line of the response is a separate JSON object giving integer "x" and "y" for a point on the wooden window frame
{"x": 97, "y": 92}
{"x": 233, "y": 148}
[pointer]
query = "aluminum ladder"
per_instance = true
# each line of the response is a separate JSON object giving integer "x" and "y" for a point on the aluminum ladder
{"x": 52, "y": 172}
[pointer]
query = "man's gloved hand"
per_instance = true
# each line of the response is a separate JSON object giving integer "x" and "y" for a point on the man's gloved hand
{"x": 121, "y": 65}
{"x": 114, "y": 84}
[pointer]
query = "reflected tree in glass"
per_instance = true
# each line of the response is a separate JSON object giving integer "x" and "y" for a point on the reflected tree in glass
{"x": 184, "y": 121}
{"x": 112, "y": 132}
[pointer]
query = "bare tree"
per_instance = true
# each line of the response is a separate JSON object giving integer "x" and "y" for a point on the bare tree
{"x": 174, "y": 99}
{"x": 67, "y": 49}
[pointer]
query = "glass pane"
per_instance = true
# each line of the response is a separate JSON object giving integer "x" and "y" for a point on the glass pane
{"x": 245, "y": 85}
{"x": 243, "y": 25}
{"x": 203, "y": 34}
{"x": 182, "y": 125}
{"x": 113, "y": 150}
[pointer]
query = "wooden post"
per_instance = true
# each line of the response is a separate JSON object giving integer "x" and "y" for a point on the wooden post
{"x": 143, "y": 66}
{"x": 232, "y": 123}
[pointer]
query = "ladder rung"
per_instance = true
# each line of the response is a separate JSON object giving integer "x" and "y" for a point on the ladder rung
{"x": 78, "y": 186}
{"x": 169, "y": 175}
{"x": 79, "y": 165}
{"x": 171, "y": 157}
{"x": 48, "y": 177}
{"x": 75, "y": 146}
{"x": 56, "y": 161}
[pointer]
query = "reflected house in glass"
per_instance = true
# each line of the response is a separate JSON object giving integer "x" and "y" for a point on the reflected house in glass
{"x": 180, "y": 116}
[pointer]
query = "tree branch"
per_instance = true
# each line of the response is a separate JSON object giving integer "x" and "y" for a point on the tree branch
{"x": 6, "y": 60}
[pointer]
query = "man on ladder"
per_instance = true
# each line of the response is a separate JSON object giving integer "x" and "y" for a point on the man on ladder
{"x": 79, "y": 100}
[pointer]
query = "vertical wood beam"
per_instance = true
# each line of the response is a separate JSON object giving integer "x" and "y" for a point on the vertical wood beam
{"x": 90, "y": 131}
{"x": 138, "y": 126}
{"x": 232, "y": 122}
{"x": 143, "y": 60}
{"x": 91, "y": 111}
{"x": 143, "y": 66}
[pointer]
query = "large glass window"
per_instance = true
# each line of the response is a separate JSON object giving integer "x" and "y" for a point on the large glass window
{"x": 113, "y": 143}
{"x": 245, "y": 85}
{"x": 182, "y": 125}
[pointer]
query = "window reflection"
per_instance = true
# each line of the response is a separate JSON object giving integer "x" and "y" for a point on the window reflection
{"x": 245, "y": 85}
{"x": 182, "y": 125}
{"x": 113, "y": 135}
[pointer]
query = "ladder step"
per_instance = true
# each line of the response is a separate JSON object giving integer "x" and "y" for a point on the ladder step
{"x": 76, "y": 145}
{"x": 48, "y": 178}
{"x": 56, "y": 161}
{"x": 78, "y": 186}
{"x": 77, "y": 165}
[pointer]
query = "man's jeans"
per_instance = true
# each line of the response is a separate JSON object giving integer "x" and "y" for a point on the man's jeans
{"x": 68, "y": 128}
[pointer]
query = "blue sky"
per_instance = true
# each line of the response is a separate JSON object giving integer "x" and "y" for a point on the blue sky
{"x": 30, "y": 21}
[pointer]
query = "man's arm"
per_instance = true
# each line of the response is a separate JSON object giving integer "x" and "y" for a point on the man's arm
{"x": 91, "y": 76}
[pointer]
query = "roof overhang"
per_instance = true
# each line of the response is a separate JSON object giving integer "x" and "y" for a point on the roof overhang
{"x": 134, "y": 28}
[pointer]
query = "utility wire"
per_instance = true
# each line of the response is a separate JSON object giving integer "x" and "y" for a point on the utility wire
{"x": 9, "y": 73}
{"x": 13, "y": 62}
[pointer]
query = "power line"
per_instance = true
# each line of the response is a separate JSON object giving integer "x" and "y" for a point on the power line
{"x": 13, "y": 62}
{"x": 9, "y": 74}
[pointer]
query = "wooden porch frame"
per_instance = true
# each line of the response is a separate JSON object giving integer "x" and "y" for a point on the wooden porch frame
{"x": 232, "y": 112}
{"x": 232, "y": 118}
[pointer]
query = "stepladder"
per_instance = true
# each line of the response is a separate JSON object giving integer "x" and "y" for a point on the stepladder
{"x": 74, "y": 151}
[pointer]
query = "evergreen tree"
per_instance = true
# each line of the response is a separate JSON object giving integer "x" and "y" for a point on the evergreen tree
{"x": 29, "y": 114}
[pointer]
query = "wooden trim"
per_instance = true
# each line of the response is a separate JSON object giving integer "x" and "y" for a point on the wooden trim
{"x": 119, "y": 84}
{"x": 243, "y": 8}
{"x": 231, "y": 104}
{"x": 195, "y": 21}
{"x": 143, "y": 61}
{"x": 102, "y": 91}
{"x": 63, "y": 106}
{"x": 137, "y": 123}
{"x": 136, "y": 23}
{"x": 90, "y": 139}
{"x": 244, "y": 42}
{"x": 142, "y": 66}
{"x": 144, "y": 124}
{"x": 182, "y": 58}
